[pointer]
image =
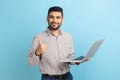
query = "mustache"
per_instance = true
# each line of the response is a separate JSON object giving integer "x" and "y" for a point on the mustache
{"x": 54, "y": 23}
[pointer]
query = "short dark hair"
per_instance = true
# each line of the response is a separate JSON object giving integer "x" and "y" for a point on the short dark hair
{"x": 56, "y": 9}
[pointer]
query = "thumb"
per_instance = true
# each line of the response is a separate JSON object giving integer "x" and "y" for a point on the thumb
{"x": 39, "y": 41}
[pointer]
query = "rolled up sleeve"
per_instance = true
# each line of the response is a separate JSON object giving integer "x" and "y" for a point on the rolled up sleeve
{"x": 33, "y": 60}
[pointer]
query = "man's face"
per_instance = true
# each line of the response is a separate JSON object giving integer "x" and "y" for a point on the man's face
{"x": 55, "y": 20}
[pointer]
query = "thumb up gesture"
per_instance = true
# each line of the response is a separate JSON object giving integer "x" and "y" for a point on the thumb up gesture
{"x": 41, "y": 48}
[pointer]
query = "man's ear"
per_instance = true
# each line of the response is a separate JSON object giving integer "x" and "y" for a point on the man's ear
{"x": 47, "y": 18}
{"x": 62, "y": 19}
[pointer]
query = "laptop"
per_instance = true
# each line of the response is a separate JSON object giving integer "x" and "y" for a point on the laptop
{"x": 92, "y": 51}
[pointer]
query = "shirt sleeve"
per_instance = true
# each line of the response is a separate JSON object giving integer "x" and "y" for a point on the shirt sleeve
{"x": 33, "y": 60}
{"x": 71, "y": 48}
{"x": 72, "y": 51}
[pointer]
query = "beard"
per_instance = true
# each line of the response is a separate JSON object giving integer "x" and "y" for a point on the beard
{"x": 54, "y": 28}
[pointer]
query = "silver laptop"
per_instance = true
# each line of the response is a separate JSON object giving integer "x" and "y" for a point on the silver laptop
{"x": 90, "y": 53}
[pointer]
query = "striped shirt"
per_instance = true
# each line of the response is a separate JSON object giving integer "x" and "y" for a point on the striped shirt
{"x": 58, "y": 48}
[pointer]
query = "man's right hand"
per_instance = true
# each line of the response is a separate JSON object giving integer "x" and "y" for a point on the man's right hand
{"x": 41, "y": 48}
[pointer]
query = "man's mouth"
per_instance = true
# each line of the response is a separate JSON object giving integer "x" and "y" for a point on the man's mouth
{"x": 54, "y": 24}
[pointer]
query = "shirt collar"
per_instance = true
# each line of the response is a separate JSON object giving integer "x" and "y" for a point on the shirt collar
{"x": 50, "y": 32}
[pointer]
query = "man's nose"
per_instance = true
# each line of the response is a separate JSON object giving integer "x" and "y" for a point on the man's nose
{"x": 54, "y": 20}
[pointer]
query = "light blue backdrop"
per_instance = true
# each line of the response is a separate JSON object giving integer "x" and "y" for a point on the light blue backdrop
{"x": 85, "y": 20}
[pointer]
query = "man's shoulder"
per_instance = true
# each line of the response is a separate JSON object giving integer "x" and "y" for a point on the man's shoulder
{"x": 40, "y": 34}
{"x": 66, "y": 33}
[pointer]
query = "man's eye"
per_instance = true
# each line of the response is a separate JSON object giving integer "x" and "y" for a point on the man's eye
{"x": 51, "y": 17}
{"x": 58, "y": 17}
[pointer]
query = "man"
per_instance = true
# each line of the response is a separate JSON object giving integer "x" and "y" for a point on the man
{"x": 50, "y": 47}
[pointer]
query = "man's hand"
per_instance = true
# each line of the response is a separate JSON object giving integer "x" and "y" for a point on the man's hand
{"x": 41, "y": 48}
{"x": 87, "y": 59}
{"x": 77, "y": 63}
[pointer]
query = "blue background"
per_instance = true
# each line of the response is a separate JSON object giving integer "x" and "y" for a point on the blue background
{"x": 86, "y": 20}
